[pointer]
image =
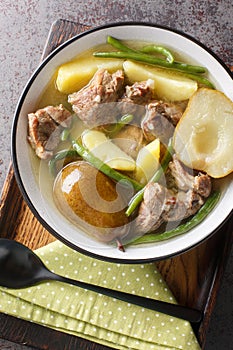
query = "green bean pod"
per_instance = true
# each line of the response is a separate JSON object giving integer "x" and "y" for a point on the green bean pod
{"x": 65, "y": 134}
{"x": 141, "y": 57}
{"x": 119, "y": 45}
{"x": 183, "y": 228}
{"x": 159, "y": 49}
{"x": 146, "y": 49}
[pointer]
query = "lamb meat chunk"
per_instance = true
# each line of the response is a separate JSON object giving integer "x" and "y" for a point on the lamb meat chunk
{"x": 140, "y": 92}
{"x": 160, "y": 205}
{"x": 59, "y": 114}
{"x": 160, "y": 120}
{"x": 202, "y": 184}
{"x": 151, "y": 208}
{"x": 45, "y": 127}
{"x": 95, "y": 103}
{"x": 135, "y": 98}
{"x": 39, "y": 131}
{"x": 185, "y": 181}
{"x": 182, "y": 205}
{"x": 183, "y": 199}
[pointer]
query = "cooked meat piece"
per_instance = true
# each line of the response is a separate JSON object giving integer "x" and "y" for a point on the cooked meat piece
{"x": 44, "y": 129}
{"x": 59, "y": 114}
{"x": 94, "y": 103}
{"x": 135, "y": 98}
{"x": 184, "y": 198}
{"x": 130, "y": 140}
{"x": 151, "y": 208}
{"x": 40, "y": 129}
{"x": 200, "y": 184}
{"x": 182, "y": 205}
{"x": 140, "y": 92}
{"x": 160, "y": 205}
{"x": 160, "y": 120}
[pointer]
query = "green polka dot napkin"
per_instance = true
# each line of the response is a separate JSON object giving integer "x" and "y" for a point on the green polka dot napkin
{"x": 97, "y": 317}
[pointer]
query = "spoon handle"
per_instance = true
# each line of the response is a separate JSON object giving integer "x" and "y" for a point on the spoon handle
{"x": 186, "y": 313}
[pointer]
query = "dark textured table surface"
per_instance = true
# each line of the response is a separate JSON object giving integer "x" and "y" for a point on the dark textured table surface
{"x": 24, "y": 27}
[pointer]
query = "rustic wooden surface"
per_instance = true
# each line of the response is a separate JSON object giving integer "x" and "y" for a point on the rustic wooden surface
{"x": 194, "y": 277}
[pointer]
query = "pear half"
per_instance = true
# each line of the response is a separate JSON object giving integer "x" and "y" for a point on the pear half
{"x": 203, "y": 138}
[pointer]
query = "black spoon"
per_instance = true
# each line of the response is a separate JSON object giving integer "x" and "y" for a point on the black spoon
{"x": 20, "y": 267}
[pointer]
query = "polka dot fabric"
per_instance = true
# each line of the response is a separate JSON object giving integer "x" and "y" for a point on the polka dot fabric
{"x": 97, "y": 317}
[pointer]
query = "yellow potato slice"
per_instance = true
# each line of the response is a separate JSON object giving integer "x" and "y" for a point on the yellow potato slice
{"x": 74, "y": 75}
{"x": 168, "y": 85}
{"x": 203, "y": 138}
{"x": 147, "y": 161}
{"x": 104, "y": 149}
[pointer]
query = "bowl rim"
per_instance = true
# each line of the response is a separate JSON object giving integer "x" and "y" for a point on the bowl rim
{"x": 15, "y": 124}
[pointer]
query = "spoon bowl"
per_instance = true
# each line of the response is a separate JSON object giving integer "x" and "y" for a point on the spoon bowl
{"x": 20, "y": 267}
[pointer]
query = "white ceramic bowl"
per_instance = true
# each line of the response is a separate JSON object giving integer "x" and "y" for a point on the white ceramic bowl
{"x": 38, "y": 200}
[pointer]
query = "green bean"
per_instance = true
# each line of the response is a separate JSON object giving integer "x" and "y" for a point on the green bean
{"x": 183, "y": 228}
{"x": 138, "y": 197}
{"x": 134, "y": 202}
{"x": 138, "y": 56}
{"x": 151, "y": 59}
{"x": 104, "y": 168}
{"x": 65, "y": 134}
{"x": 158, "y": 49}
{"x": 146, "y": 49}
{"x": 119, "y": 45}
{"x": 59, "y": 156}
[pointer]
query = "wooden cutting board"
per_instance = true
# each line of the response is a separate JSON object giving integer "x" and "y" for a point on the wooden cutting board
{"x": 194, "y": 277}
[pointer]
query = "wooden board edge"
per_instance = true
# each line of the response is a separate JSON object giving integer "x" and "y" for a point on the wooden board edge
{"x": 67, "y": 28}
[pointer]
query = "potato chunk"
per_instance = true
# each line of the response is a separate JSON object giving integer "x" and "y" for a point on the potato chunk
{"x": 74, "y": 75}
{"x": 147, "y": 161}
{"x": 168, "y": 85}
{"x": 203, "y": 137}
{"x": 104, "y": 149}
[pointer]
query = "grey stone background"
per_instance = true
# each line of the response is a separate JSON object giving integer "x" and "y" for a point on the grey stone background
{"x": 24, "y": 27}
